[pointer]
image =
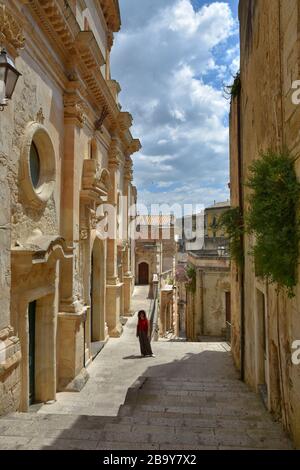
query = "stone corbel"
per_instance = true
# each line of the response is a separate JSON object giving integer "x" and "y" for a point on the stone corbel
{"x": 114, "y": 152}
{"x": 100, "y": 121}
{"x": 11, "y": 34}
{"x": 134, "y": 146}
{"x": 110, "y": 40}
{"x": 111, "y": 12}
{"x": 124, "y": 120}
{"x": 128, "y": 172}
{"x": 74, "y": 105}
{"x": 114, "y": 88}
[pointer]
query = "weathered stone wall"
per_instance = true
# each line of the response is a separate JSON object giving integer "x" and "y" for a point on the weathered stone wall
{"x": 235, "y": 196}
{"x": 270, "y": 33}
{"x": 206, "y": 307}
{"x": 214, "y": 287}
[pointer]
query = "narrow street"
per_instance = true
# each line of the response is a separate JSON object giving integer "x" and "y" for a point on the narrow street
{"x": 187, "y": 397}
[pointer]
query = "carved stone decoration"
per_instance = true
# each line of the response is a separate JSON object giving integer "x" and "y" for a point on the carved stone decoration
{"x": 114, "y": 152}
{"x": 95, "y": 179}
{"x": 10, "y": 31}
{"x": 128, "y": 172}
{"x": 111, "y": 12}
{"x": 40, "y": 116}
{"x": 84, "y": 233}
{"x": 101, "y": 119}
{"x": 134, "y": 146}
{"x": 74, "y": 108}
{"x": 94, "y": 221}
{"x": 110, "y": 40}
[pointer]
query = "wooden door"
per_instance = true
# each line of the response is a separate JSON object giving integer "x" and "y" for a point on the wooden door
{"x": 143, "y": 273}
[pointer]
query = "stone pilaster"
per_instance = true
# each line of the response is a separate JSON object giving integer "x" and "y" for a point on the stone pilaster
{"x": 113, "y": 284}
{"x": 71, "y": 324}
{"x": 128, "y": 276}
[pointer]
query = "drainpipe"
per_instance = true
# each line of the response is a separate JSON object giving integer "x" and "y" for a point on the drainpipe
{"x": 242, "y": 268}
{"x": 202, "y": 302}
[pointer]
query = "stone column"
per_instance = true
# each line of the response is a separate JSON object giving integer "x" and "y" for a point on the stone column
{"x": 113, "y": 285}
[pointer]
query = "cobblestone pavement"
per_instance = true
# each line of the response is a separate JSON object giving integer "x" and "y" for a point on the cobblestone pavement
{"x": 187, "y": 397}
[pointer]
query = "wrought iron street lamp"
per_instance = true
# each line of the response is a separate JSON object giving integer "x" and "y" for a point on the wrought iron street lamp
{"x": 8, "y": 78}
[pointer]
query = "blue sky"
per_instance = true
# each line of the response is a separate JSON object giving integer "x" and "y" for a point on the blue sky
{"x": 172, "y": 58}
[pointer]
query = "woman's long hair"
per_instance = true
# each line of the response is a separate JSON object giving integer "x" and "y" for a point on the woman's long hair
{"x": 141, "y": 312}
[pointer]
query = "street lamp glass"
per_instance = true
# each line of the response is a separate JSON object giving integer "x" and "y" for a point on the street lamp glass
{"x": 8, "y": 74}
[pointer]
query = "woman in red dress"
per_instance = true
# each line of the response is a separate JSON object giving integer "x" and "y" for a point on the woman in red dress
{"x": 142, "y": 333}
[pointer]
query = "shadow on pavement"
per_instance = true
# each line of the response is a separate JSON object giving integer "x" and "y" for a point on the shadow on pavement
{"x": 130, "y": 429}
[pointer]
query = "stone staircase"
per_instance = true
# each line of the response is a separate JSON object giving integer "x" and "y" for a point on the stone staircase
{"x": 158, "y": 413}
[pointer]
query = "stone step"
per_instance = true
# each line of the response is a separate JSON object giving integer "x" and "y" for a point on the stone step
{"x": 193, "y": 380}
{"x": 196, "y": 387}
{"x": 195, "y": 423}
{"x": 219, "y": 394}
{"x": 158, "y": 381}
{"x": 210, "y": 400}
{"x": 240, "y": 412}
{"x": 55, "y": 425}
{"x": 145, "y": 437}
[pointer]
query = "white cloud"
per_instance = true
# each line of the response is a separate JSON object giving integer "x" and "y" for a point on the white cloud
{"x": 162, "y": 58}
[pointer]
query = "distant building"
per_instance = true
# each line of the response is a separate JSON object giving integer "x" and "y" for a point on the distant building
{"x": 212, "y": 214}
{"x": 204, "y": 309}
{"x": 155, "y": 249}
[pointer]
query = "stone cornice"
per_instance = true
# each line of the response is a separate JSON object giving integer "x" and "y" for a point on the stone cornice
{"x": 59, "y": 23}
{"x": 39, "y": 250}
{"x": 82, "y": 56}
{"x": 89, "y": 50}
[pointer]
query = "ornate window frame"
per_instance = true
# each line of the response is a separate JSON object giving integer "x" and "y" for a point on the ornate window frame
{"x": 37, "y": 133}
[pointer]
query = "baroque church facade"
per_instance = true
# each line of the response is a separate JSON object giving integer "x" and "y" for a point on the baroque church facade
{"x": 65, "y": 153}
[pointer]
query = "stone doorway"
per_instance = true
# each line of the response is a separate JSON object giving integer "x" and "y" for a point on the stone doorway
{"x": 143, "y": 274}
{"x": 37, "y": 330}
